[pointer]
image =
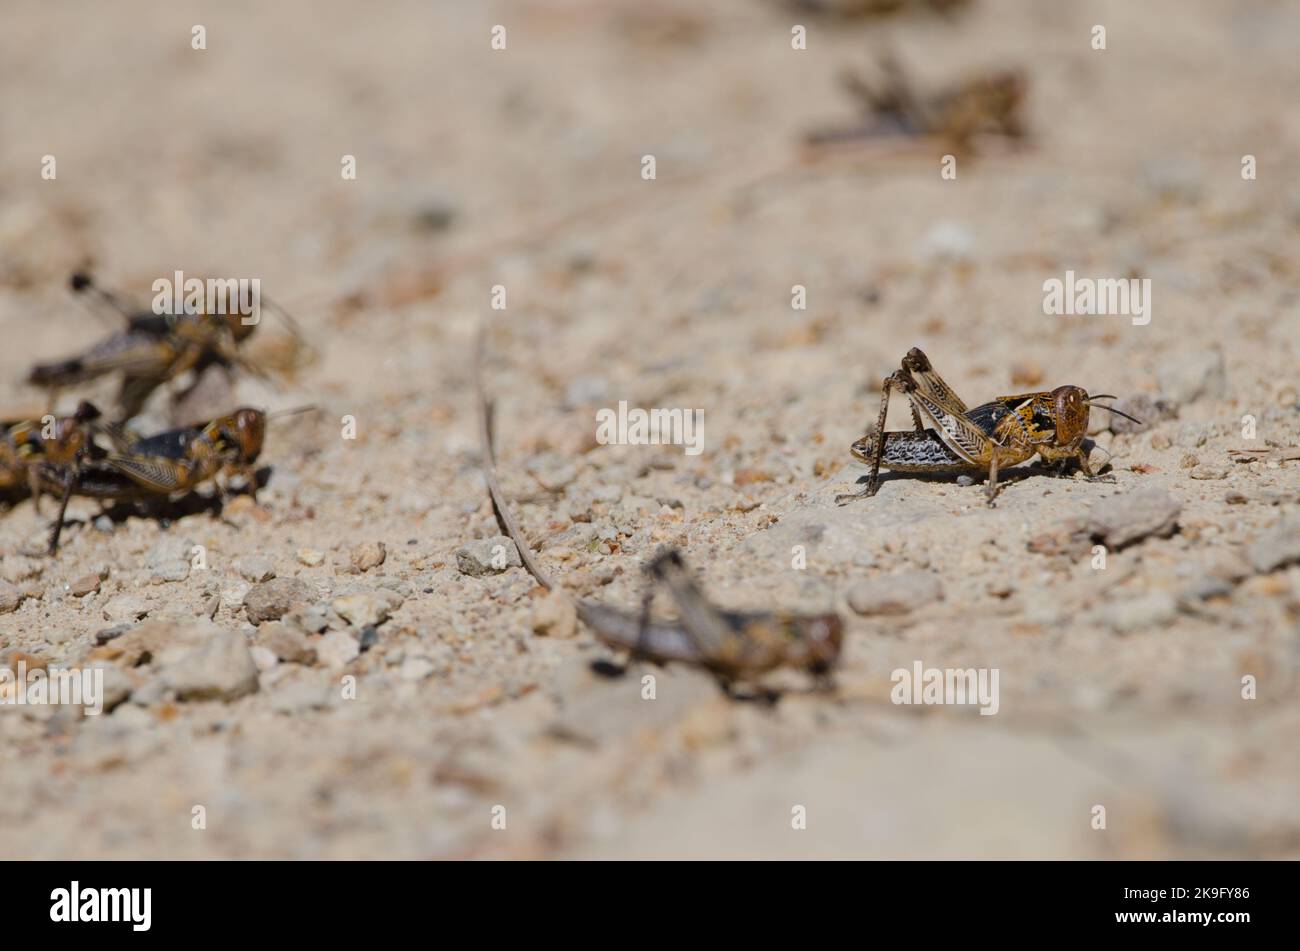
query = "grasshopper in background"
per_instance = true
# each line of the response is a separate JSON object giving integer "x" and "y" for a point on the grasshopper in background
{"x": 151, "y": 349}
{"x": 734, "y": 646}
{"x": 988, "y": 104}
{"x": 1005, "y": 432}
{"x": 177, "y": 460}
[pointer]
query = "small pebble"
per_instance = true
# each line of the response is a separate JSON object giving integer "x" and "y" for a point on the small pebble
{"x": 168, "y": 562}
{"x": 1123, "y": 519}
{"x": 84, "y": 585}
{"x": 488, "y": 556}
{"x": 369, "y": 555}
{"x": 1276, "y": 548}
{"x": 271, "y": 600}
{"x": 361, "y": 610}
{"x": 414, "y": 669}
{"x": 222, "y": 668}
{"x": 337, "y": 649}
{"x": 287, "y": 643}
{"x": 263, "y": 658}
{"x": 1139, "y": 614}
{"x": 310, "y": 557}
{"x": 255, "y": 568}
{"x": 10, "y": 597}
{"x": 896, "y": 593}
{"x": 126, "y": 607}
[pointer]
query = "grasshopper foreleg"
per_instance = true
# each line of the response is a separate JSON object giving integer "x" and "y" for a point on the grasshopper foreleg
{"x": 71, "y": 478}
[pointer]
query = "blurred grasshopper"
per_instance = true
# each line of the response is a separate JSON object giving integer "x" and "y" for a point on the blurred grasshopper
{"x": 733, "y": 646}
{"x": 1007, "y": 431}
{"x": 174, "y": 461}
{"x": 989, "y": 104}
{"x": 861, "y": 9}
{"x": 28, "y": 445}
{"x": 151, "y": 349}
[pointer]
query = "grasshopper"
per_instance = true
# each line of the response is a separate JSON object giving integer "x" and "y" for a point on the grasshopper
{"x": 992, "y": 436}
{"x": 990, "y": 103}
{"x": 150, "y": 350}
{"x": 29, "y": 445}
{"x": 177, "y": 460}
{"x": 733, "y": 646}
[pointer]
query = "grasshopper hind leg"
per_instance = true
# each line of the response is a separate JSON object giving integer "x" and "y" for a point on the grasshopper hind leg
{"x": 903, "y": 381}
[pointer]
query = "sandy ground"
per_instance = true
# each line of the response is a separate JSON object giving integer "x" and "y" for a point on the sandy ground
{"x": 1119, "y": 687}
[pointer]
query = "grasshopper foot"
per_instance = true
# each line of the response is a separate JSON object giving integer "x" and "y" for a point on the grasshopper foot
{"x": 866, "y": 493}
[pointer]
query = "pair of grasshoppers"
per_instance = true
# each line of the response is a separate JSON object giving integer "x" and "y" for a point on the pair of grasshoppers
{"x": 993, "y": 436}
{"x": 81, "y": 455}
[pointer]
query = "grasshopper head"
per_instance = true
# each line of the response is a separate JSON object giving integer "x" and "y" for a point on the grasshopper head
{"x": 71, "y": 435}
{"x": 1070, "y": 407}
{"x": 245, "y": 429}
{"x": 863, "y": 448}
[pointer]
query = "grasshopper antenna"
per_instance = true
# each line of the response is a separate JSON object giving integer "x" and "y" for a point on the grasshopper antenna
{"x": 1111, "y": 409}
{"x": 297, "y": 410}
{"x": 81, "y": 283}
{"x": 504, "y": 516}
{"x": 289, "y": 321}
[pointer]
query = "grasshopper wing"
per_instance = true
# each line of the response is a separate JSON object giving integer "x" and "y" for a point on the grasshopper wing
{"x": 153, "y": 472}
{"x": 963, "y": 436}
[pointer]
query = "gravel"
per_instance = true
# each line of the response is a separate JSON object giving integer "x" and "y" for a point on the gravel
{"x": 898, "y": 593}
{"x": 1124, "y": 519}
{"x": 272, "y": 600}
{"x": 488, "y": 556}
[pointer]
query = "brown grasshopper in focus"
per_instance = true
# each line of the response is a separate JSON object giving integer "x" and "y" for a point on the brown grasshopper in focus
{"x": 151, "y": 349}
{"x": 734, "y": 646}
{"x": 177, "y": 460}
{"x": 1005, "y": 432}
{"x": 989, "y": 104}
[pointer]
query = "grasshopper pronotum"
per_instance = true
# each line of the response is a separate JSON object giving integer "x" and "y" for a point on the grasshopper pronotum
{"x": 1004, "y": 432}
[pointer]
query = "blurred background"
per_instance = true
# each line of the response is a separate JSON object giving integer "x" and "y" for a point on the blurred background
{"x": 522, "y": 168}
